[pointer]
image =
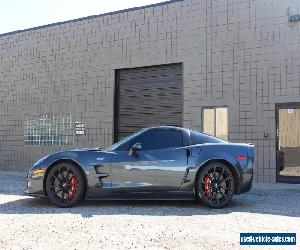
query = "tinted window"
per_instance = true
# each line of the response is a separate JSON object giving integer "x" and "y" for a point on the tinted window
{"x": 158, "y": 139}
{"x": 198, "y": 138}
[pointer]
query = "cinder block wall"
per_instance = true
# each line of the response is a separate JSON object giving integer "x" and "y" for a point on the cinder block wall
{"x": 242, "y": 54}
{"x": 246, "y": 55}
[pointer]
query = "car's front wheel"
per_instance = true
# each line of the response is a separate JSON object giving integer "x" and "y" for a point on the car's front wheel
{"x": 215, "y": 185}
{"x": 65, "y": 184}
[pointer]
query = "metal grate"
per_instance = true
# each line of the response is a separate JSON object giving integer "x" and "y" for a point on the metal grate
{"x": 49, "y": 130}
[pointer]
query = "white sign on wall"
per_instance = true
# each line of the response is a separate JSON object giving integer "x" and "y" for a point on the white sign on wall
{"x": 80, "y": 128}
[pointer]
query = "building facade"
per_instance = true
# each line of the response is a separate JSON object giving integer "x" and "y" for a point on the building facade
{"x": 224, "y": 67}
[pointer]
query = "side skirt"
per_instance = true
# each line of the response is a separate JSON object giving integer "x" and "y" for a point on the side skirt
{"x": 177, "y": 195}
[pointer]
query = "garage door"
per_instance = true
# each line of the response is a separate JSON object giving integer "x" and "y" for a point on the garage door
{"x": 148, "y": 96}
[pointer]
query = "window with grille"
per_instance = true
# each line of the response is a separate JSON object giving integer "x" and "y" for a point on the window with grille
{"x": 49, "y": 130}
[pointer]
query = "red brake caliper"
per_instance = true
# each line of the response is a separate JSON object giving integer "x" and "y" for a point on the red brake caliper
{"x": 73, "y": 190}
{"x": 206, "y": 186}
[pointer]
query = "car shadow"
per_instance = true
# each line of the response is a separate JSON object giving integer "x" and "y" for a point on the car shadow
{"x": 275, "y": 202}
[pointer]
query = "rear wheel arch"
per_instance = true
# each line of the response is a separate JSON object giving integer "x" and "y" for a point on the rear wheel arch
{"x": 66, "y": 161}
{"x": 233, "y": 170}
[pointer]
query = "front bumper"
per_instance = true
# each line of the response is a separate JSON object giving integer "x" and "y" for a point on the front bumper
{"x": 35, "y": 186}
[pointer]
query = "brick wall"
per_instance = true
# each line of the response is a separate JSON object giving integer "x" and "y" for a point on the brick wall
{"x": 243, "y": 54}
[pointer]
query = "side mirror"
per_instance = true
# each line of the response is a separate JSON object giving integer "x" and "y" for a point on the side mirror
{"x": 135, "y": 148}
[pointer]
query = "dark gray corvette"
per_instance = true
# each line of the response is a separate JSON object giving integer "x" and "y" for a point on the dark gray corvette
{"x": 157, "y": 163}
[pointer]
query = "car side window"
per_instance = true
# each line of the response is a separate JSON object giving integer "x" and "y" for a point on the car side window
{"x": 159, "y": 139}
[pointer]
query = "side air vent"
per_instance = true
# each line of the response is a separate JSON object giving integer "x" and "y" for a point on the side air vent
{"x": 101, "y": 172}
{"x": 98, "y": 168}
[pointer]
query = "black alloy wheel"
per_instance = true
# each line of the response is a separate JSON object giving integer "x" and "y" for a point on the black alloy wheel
{"x": 215, "y": 185}
{"x": 65, "y": 185}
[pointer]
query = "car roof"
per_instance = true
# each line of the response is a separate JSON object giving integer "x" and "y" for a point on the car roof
{"x": 175, "y": 128}
{"x": 165, "y": 127}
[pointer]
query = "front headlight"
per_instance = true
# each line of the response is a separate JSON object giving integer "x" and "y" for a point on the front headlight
{"x": 40, "y": 160}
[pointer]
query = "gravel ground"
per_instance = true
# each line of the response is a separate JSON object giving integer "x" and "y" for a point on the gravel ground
{"x": 33, "y": 223}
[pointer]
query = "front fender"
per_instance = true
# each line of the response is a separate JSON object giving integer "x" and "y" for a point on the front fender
{"x": 36, "y": 184}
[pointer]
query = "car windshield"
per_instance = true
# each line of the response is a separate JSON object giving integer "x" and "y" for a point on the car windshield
{"x": 124, "y": 140}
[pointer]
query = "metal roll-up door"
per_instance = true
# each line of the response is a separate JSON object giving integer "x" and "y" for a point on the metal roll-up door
{"x": 148, "y": 96}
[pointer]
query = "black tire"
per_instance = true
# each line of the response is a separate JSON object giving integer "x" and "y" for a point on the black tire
{"x": 215, "y": 185}
{"x": 65, "y": 184}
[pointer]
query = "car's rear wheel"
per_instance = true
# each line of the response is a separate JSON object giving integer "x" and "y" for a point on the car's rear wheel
{"x": 65, "y": 184}
{"x": 215, "y": 185}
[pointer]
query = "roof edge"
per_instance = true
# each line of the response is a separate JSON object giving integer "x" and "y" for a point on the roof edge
{"x": 91, "y": 17}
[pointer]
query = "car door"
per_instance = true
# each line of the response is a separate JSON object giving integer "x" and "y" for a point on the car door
{"x": 159, "y": 165}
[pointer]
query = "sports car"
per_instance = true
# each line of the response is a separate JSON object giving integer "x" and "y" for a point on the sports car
{"x": 156, "y": 163}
